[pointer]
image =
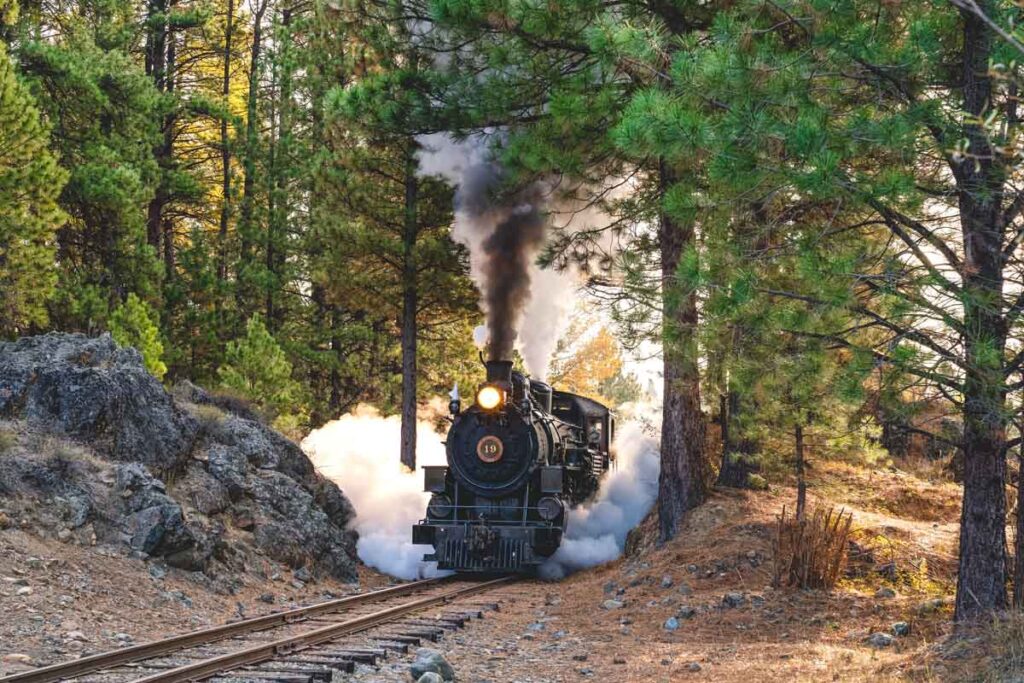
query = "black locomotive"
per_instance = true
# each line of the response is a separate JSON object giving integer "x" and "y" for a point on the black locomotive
{"x": 517, "y": 460}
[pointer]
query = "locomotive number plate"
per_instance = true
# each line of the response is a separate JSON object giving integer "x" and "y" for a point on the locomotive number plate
{"x": 490, "y": 448}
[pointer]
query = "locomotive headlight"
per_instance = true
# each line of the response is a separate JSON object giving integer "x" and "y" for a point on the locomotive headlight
{"x": 488, "y": 397}
{"x": 440, "y": 505}
{"x": 549, "y": 508}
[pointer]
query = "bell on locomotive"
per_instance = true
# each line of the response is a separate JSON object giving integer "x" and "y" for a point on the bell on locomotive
{"x": 518, "y": 458}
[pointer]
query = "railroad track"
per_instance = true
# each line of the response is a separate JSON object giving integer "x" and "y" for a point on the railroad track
{"x": 300, "y": 645}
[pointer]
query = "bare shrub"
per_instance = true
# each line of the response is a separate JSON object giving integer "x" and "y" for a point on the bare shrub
{"x": 810, "y": 552}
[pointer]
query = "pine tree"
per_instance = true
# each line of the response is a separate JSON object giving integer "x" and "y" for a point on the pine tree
{"x": 879, "y": 118}
{"x": 134, "y": 324}
{"x": 106, "y": 103}
{"x": 30, "y": 182}
{"x": 257, "y": 368}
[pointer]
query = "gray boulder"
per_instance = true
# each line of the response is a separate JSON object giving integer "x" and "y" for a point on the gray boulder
{"x": 92, "y": 389}
{"x": 880, "y": 640}
{"x": 430, "y": 677}
{"x": 431, "y": 661}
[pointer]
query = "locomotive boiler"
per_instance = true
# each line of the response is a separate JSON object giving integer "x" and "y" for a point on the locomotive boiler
{"x": 518, "y": 458}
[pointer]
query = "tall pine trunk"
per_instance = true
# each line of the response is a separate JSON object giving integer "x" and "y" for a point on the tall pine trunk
{"x": 168, "y": 161}
{"x": 225, "y": 149}
{"x": 156, "y": 62}
{"x": 981, "y": 579}
{"x": 1018, "y": 564}
{"x": 801, "y": 471}
{"x": 737, "y": 449}
{"x": 409, "y": 305}
{"x": 246, "y": 229}
{"x": 681, "y": 484}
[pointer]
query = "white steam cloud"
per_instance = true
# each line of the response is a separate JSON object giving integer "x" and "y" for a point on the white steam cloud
{"x": 359, "y": 452}
{"x": 596, "y": 532}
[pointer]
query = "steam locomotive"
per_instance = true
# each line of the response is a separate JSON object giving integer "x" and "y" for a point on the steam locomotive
{"x": 518, "y": 458}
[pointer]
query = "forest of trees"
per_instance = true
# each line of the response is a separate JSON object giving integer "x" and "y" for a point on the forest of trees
{"x": 814, "y": 208}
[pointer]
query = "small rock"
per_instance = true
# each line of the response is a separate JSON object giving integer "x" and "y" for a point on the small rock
{"x": 64, "y": 535}
{"x": 692, "y": 568}
{"x": 684, "y": 589}
{"x": 302, "y": 574}
{"x": 75, "y": 635}
{"x": 757, "y": 600}
{"x": 558, "y": 635}
{"x": 297, "y": 585}
{"x": 638, "y": 581}
{"x": 428, "y": 660}
{"x": 267, "y": 598}
{"x": 586, "y": 672}
{"x": 612, "y": 604}
{"x": 666, "y": 661}
{"x": 536, "y": 626}
{"x": 693, "y": 666}
{"x": 24, "y": 590}
{"x": 686, "y": 612}
{"x": 671, "y": 624}
{"x": 666, "y": 581}
{"x": 733, "y": 599}
{"x": 580, "y": 657}
{"x": 885, "y": 593}
{"x": 180, "y": 597}
{"x": 21, "y": 581}
{"x": 16, "y": 658}
{"x": 6, "y": 523}
{"x": 879, "y": 640}
{"x": 157, "y": 571}
{"x": 123, "y": 637}
{"x": 619, "y": 660}
{"x": 930, "y": 606}
{"x": 552, "y": 600}
{"x": 610, "y": 587}
{"x": 65, "y": 600}
{"x": 901, "y": 628}
{"x": 430, "y": 677}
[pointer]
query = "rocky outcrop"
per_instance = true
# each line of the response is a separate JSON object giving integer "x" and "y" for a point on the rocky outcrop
{"x": 96, "y": 391}
{"x": 96, "y": 451}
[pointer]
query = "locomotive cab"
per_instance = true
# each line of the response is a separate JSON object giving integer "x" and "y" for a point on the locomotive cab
{"x": 518, "y": 458}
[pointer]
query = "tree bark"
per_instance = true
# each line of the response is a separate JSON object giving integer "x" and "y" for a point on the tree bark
{"x": 737, "y": 450}
{"x": 1018, "y": 564}
{"x": 225, "y": 149}
{"x": 409, "y": 306}
{"x": 156, "y": 59}
{"x": 801, "y": 481}
{"x": 167, "y": 160}
{"x": 245, "y": 219}
{"x": 981, "y": 579}
{"x": 682, "y": 483}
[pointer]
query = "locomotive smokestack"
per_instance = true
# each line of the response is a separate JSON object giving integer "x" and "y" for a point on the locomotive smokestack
{"x": 499, "y": 371}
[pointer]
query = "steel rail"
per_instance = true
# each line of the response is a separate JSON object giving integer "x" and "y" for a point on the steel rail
{"x": 148, "y": 650}
{"x": 286, "y": 646}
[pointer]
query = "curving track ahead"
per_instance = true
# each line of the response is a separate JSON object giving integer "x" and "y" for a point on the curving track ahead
{"x": 294, "y": 646}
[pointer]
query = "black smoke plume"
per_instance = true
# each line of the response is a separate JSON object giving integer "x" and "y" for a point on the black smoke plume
{"x": 511, "y": 244}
